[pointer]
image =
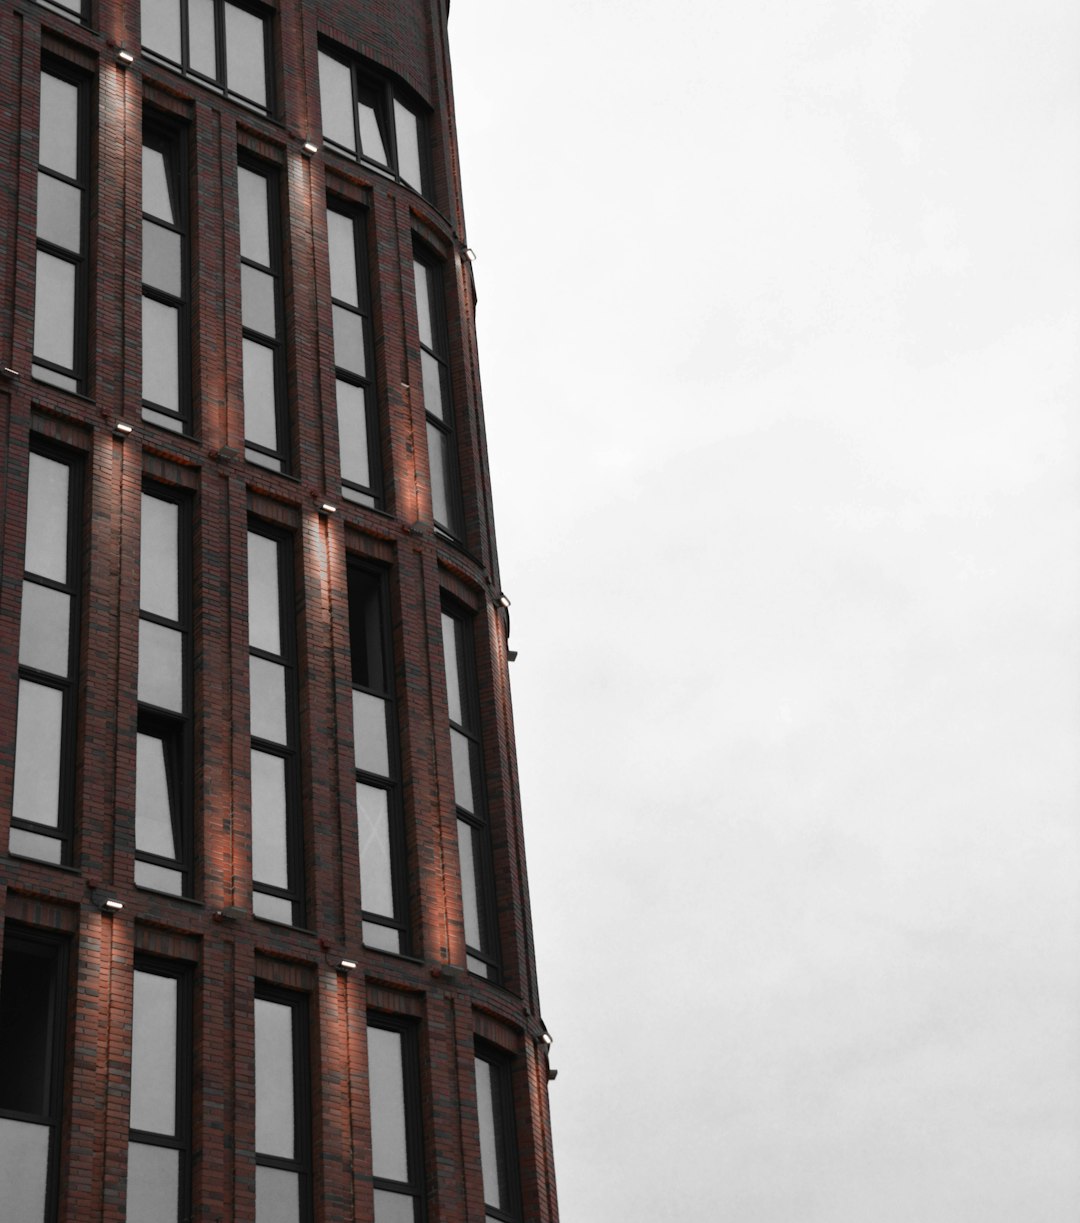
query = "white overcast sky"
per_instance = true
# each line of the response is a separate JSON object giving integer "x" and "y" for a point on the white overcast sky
{"x": 778, "y": 330}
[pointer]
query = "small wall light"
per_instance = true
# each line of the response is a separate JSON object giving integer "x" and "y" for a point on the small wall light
{"x": 469, "y": 254}
{"x": 124, "y": 58}
{"x": 102, "y": 900}
{"x": 310, "y": 148}
{"x": 545, "y": 1036}
{"x": 342, "y": 964}
{"x": 121, "y": 429}
{"x": 327, "y": 508}
{"x": 503, "y": 601}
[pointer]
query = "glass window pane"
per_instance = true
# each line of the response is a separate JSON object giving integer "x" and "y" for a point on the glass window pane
{"x": 159, "y": 878}
{"x": 153, "y": 1054}
{"x": 245, "y": 54}
{"x": 433, "y": 374}
{"x": 353, "y": 433}
{"x": 450, "y": 630}
{"x": 161, "y": 354}
{"x": 159, "y": 558}
{"x": 269, "y": 857}
{"x": 394, "y": 1207}
{"x": 26, "y": 1003}
{"x": 162, "y": 259}
{"x": 59, "y": 216}
{"x": 260, "y": 395}
{"x": 423, "y": 303}
{"x": 470, "y": 897}
{"x": 24, "y": 1160}
{"x": 366, "y": 630}
{"x": 202, "y": 39}
{"x": 369, "y": 733}
{"x": 341, "y": 238}
{"x": 58, "y": 146}
{"x": 383, "y": 938}
{"x": 268, "y": 719}
{"x": 161, "y": 666}
{"x": 461, "y": 751}
{"x": 335, "y": 86}
{"x": 277, "y": 1196}
{"x": 43, "y": 629}
{"x": 35, "y": 845}
{"x": 438, "y": 462}
{"x": 254, "y": 216}
{"x": 157, "y": 196}
{"x": 47, "y": 519}
{"x": 153, "y": 1188}
{"x": 154, "y": 817}
{"x": 259, "y": 307}
{"x": 373, "y": 829}
{"x": 162, "y": 421}
{"x": 371, "y": 138}
{"x": 161, "y": 27}
{"x": 408, "y": 145}
{"x": 264, "y": 597}
{"x": 492, "y": 1155}
{"x": 349, "y": 341}
{"x": 43, "y": 374}
{"x": 37, "y": 754}
{"x": 54, "y": 310}
{"x": 386, "y": 1081}
{"x": 275, "y": 1108}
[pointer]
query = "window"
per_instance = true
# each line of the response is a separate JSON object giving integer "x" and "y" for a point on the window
{"x": 165, "y": 328}
{"x": 498, "y": 1147}
{"x": 60, "y": 303}
{"x": 435, "y": 370}
{"x": 378, "y": 800}
{"x": 31, "y": 1072}
{"x": 43, "y": 799}
{"x": 356, "y": 414}
{"x": 276, "y": 845}
{"x": 265, "y": 426}
{"x": 282, "y": 1125}
{"x": 474, "y": 849}
{"x": 159, "y": 1143}
{"x": 163, "y": 764}
{"x": 219, "y": 43}
{"x": 394, "y": 1086}
{"x": 69, "y": 8}
{"x": 373, "y": 120}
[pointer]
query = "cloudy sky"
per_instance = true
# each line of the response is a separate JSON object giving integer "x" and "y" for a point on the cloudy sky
{"x": 778, "y": 319}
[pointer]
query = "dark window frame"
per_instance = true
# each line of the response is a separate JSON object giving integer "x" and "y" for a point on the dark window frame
{"x": 358, "y": 218}
{"x": 177, "y": 731}
{"x": 183, "y": 974}
{"x": 55, "y": 947}
{"x": 502, "y": 1080}
{"x": 171, "y": 139}
{"x": 414, "y": 1187}
{"x": 41, "y": 367}
{"x": 69, "y": 687}
{"x": 295, "y": 893}
{"x": 384, "y": 90}
{"x": 219, "y": 82}
{"x": 74, "y": 12}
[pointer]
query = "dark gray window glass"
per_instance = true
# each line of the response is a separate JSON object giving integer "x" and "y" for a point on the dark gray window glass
{"x": 495, "y": 1122}
{"x": 393, "y": 1085}
{"x": 435, "y": 371}
{"x": 282, "y": 1140}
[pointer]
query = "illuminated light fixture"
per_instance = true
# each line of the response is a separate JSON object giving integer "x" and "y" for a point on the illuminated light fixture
{"x": 545, "y": 1036}
{"x": 342, "y": 964}
{"x": 469, "y": 254}
{"x": 310, "y": 147}
{"x": 327, "y": 508}
{"x": 346, "y": 965}
{"x": 122, "y": 430}
{"x": 503, "y": 600}
{"x": 106, "y": 903}
{"x": 124, "y": 58}
{"x": 8, "y": 372}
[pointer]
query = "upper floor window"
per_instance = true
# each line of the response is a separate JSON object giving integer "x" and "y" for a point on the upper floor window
{"x": 60, "y": 300}
{"x": 43, "y": 799}
{"x": 438, "y": 407}
{"x": 165, "y": 373}
{"x": 282, "y": 1110}
{"x": 223, "y": 44}
{"x": 396, "y": 1132}
{"x": 373, "y": 120}
{"x": 498, "y": 1147}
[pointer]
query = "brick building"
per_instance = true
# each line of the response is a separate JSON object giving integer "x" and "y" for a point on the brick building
{"x": 266, "y": 942}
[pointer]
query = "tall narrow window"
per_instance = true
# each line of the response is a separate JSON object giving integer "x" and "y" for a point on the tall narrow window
{"x": 474, "y": 848}
{"x": 435, "y": 368}
{"x": 163, "y": 765}
{"x": 378, "y": 800}
{"x": 356, "y": 414}
{"x": 262, "y": 311}
{"x": 60, "y": 304}
{"x": 43, "y": 800}
{"x": 276, "y": 843}
{"x": 223, "y": 44}
{"x": 282, "y": 1113}
{"x": 159, "y": 1143}
{"x": 31, "y": 1052}
{"x": 394, "y": 1086}
{"x": 498, "y": 1148}
{"x": 165, "y": 329}
{"x": 374, "y": 120}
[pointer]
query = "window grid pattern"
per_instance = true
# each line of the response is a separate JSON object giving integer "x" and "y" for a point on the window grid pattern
{"x": 474, "y": 848}
{"x": 282, "y": 1108}
{"x": 43, "y": 798}
{"x": 353, "y": 359}
{"x": 223, "y": 45}
{"x": 60, "y": 327}
{"x": 276, "y": 841}
{"x": 396, "y": 1126}
{"x": 262, "y": 311}
{"x": 438, "y": 408}
{"x": 163, "y": 759}
{"x": 166, "y": 379}
{"x": 498, "y": 1143}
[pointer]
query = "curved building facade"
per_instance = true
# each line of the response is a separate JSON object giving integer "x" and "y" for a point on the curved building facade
{"x": 267, "y": 951}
